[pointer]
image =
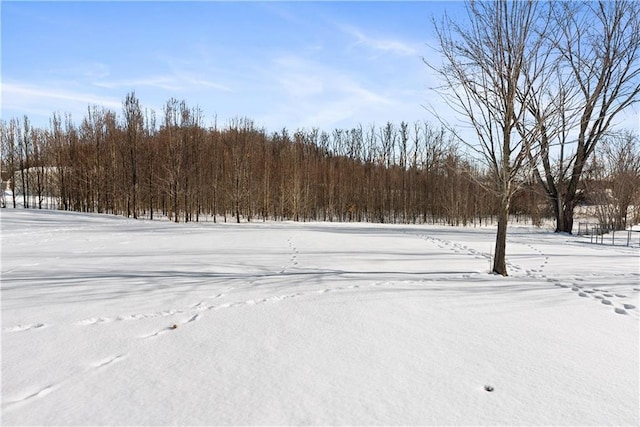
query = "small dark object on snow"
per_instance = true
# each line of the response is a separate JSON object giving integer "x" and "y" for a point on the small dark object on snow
{"x": 488, "y": 388}
{"x": 174, "y": 326}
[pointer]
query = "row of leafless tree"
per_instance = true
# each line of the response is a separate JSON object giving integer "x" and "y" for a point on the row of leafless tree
{"x": 137, "y": 164}
{"x": 177, "y": 167}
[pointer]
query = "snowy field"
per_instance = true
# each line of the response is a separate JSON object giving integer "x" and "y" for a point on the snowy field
{"x": 109, "y": 321}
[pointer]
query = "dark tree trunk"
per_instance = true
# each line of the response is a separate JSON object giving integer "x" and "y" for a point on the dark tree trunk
{"x": 499, "y": 261}
{"x": 565, "y": 223}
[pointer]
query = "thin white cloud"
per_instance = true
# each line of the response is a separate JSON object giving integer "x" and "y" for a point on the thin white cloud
{"x": 300, "y": 78}
{"x": 381, "y": 44}
{"x": 16, "y": 94}
{"x": 78, "y": 70}
{"x": 309, "y": 93}
{"x": 205, "y": 83}
{"x": 301, "y": 85}
{"x": 172, "y": 83}
{"x": 97, "y": 71}
{"x": 297, "y": 78}
{"x": 39, "y": 102}
{"x": 156, "y": 82}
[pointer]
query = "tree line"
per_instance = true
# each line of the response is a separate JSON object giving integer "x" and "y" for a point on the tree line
{"x": 139, "y": 165}
{"x": 176, "y": 166}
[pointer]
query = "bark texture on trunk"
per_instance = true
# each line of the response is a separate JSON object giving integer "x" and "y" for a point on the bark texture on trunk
{"x": 499, "y": 261}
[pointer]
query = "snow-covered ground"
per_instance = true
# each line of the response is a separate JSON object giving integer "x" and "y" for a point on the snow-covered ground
{"x": 113, "y": 321}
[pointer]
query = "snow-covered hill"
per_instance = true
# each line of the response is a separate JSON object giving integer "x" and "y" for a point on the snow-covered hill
{"x": 113, "y": 321}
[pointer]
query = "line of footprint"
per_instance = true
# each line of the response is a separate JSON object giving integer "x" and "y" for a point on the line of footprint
{"x": 203, "y": 306}
{"x": 604, "y": 296}
{"x": 110, "y": 360}
{"x": 105, "y": 362}
{"x": 293, "y": 261}
{"x": 199, "y": 307}
{"x": 463, "y": 249}
{"x": 23, "y": 328}
{"x": 537, "y": 273}
{"x": 597, "y": 294}
{"x": 251, "y": 302}
{"x": 453, "y": 246}
{"x": 49, "y": 388}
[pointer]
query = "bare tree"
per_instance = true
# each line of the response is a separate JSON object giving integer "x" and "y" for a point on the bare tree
{"x": 24, "y": 153}
{"x": 39, "y": 171}
{"x": 150, "y": 149}
{"x": 237, "y": 148}
{"x": 614, "y": 186}
{"x": 484, "y": 73}
{"x": 9, "y": 136}
{"x": 133, "y": 124}
{"x": 597, "y": 45}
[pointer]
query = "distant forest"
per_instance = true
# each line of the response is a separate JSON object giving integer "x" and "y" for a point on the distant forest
{"x": 175, "y": 166}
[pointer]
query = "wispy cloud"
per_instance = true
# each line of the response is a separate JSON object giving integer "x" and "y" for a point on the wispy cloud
{"x": 381, "y": 44}
{"x": 13, "y": 93}
{"x": 155, "y": 82}
{"x": 92, "y": 70}
{"x": 43, "y": 100}
{"x": 309, "y": 93}
{"x": 173, "y": 83}
{"x": 303, "y": 77}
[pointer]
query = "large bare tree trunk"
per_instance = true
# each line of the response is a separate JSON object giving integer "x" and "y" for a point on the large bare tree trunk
{"x": 596, "y": 77}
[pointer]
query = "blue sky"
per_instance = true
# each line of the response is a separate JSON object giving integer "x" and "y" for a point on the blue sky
{"x": 282, "y": 64}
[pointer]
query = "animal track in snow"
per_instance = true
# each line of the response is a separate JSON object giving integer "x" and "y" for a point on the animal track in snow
{"x": 281, "y": 297}
{"x": 202, "y": 306}
{"x": 108, "y": 361}
{"x": 196, "y": 316}
{"x": 604, "y": 296}
{"x": 93, "y": 367}
{"x": 159, "y": 332}
{"x": 251, "y": 302}
{"x": 293, "y": 259}
{"x": 137, "y": 316}
{"x": 95, "y": 320}
{"x": 23, "y": 328}
{"x": 456, "y": 247}
{"x": 42, "y": 392}
{"x": 542, "y": 265}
